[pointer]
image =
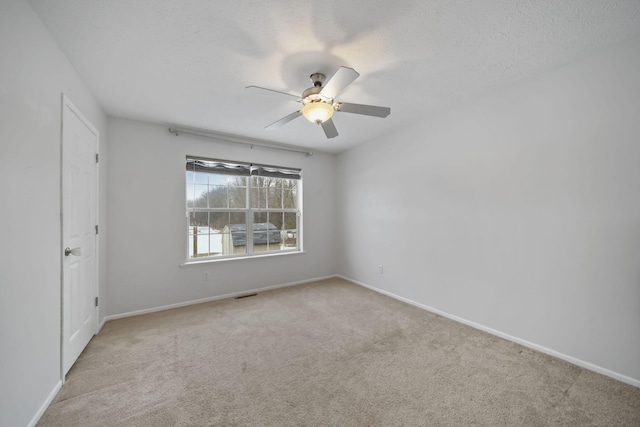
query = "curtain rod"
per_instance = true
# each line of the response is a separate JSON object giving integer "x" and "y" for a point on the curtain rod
{"x": 251, "y": 142}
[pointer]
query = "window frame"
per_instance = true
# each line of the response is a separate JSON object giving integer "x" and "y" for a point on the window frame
{"x": 255, "y": 170}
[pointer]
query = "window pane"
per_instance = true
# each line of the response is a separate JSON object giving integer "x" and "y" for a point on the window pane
{"x": 275, "y": 218}
{"x": 234, "y": 243}
{"x": 237, "y": 197}
{"x": 200, "y": 178}
{"x": 198, "y": 219}
{"x": 260, "y": 242}
{"x": 216, "y": 179}
{"x": 258, "y": 194}
{"x": 290, "y": 221}
{"x": 274, "y": 198}
{"x": 290, "y": 239}
{"x": 260, "y": 217}
{"x": 218, "y": 196}
{"x": 290, "y": 233}
{"x": 230, "y": 232}
{"x": 238, "y": 218}
{"x": 264, "y": 242}
{"x": 237, "y": 236}
{"x": 198, "y": 246}
{"x": 271, "y": 182}
{"x": 200, "y": 196}
{"x": 226, "y": 244}
{"x": 218, "y": 221}
{"x": 275, "y": 240}
{"x": 189, "y": 193}
{"x": 266, "y": 236}
{"x": 215, "y": 244}
{"x": 257, "y": 181}
{"x": 289, "y": 199}
{"x": 239, "y": 242}
{"x": 199, "y": 235}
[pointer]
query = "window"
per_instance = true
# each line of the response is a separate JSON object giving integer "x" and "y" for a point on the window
{"x": 237, "y": 209}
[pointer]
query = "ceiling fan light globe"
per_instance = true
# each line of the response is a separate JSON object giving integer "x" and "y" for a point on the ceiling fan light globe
{"x": 317, "y": 112}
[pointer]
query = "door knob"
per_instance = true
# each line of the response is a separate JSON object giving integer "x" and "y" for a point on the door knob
{"x": 75, "y": 251}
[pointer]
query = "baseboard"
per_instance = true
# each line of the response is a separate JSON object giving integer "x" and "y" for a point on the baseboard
{"x": 104, "y": 320}
{"x": 208, "y": 299}
{"x": 578, "y": 362}
{"x": 45, "y": 404}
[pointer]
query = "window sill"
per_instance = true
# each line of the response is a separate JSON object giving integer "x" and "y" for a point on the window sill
{"x": 243, "y": 258}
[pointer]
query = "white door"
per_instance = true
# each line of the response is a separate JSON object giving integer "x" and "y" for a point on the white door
{"x": 79, "y": 233}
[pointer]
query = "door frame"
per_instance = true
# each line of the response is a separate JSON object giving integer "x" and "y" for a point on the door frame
{"x": 66, "y": 103}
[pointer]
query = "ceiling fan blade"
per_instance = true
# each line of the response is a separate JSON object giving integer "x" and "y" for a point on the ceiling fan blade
{"x": 367, "y": 110}
{"x": 329, "y": 129}
{"x": 266, "y": 91}
{"x": 284, "y": 120}
{"x": 341, "y": 79}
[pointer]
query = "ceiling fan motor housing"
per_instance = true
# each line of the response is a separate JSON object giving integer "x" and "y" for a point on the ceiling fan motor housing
{"x": 313, "y": 93}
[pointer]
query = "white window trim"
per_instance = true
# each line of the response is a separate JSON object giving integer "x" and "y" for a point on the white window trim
{"x": 211, "y": 260}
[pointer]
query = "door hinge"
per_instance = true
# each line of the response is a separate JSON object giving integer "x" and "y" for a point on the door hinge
{"x": 96, "y": 301}
{"x": 97, "y": 155}
{"x": 96, "y": 229}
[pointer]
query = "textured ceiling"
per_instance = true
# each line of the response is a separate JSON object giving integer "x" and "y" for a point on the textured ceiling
{"x": 187, "y": 62}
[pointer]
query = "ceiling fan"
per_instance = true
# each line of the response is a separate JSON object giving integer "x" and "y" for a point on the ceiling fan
{"x": 319, "y": 104}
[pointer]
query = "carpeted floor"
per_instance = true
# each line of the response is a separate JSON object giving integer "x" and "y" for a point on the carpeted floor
{"x": 328, "y": 353}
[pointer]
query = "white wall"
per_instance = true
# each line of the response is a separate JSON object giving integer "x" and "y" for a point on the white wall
{"x": 33, "y": 74}
{"x": 147, "y": 240}
{"x": 519, "y": 212}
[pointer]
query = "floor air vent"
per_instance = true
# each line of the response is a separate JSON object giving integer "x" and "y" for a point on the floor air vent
{"x": 246, "y": 296}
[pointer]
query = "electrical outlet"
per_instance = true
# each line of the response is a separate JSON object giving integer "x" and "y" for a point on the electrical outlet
{"x": 205, "y": 276}
{"x": 380, "y": 269}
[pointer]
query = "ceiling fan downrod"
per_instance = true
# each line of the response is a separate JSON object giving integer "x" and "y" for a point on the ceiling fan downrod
{"x": 317, "y": 79}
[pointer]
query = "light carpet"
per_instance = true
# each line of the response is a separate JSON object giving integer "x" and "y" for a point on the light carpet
{"x": 328, "y": 353}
